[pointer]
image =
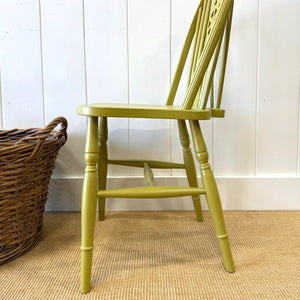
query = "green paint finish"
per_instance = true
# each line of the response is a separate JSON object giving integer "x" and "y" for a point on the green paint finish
{"x": 142, "y": 111}
{"x": 152, "y": 192}
{"x": 148, "y": 174}
{"x": 155, "y": 164}
{"x": 102, "y": 165}
{"x": 89, "y": 203}
{"x": 210, "y": 27}
{"x": 212, "y": 194}
{"x": 189, "y": 166}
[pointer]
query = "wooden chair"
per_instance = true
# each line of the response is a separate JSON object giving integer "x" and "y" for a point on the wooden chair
{"x": 209, "y": 29}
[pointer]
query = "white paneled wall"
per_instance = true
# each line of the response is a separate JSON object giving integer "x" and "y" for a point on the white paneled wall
{"x": 278, "y": 88}
{"x": 63, "y": 66}
{"x": 21, "y": 64}
{"x": 107, "y": 67}
{"x": 234, "y": 138}
{"x": 149, "y": 75}
{"x": 58, "y": 54}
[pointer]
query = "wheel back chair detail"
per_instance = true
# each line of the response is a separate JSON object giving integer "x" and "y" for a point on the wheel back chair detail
{"x": 208, "y": 34}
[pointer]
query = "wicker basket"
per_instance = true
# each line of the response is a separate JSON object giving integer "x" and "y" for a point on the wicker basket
{"x": 26, "y": 163}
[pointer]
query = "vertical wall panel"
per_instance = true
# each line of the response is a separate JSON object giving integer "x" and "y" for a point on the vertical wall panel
{"x": 1, "y": 121}
{"x": 149, "y": 75}
{"x": 64, "y": 76}
{"x": 278, "y": 93}
{"x": 107, "y": 68}
{"x": 20, "y": 55}
{"x": 182, "y": 16}
{"x": 234, "y": 136}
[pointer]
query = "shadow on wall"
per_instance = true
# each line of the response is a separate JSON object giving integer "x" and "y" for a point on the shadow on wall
{"x": 70, "y": 162}
{"x": 64, "y": 194}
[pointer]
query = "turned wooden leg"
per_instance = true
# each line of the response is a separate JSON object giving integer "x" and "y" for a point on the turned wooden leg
{"x": 102, "y": 165}
{"x": 89, "y": 202}
{"x": 189, "y": 166}
{"x": 212, "y": 195}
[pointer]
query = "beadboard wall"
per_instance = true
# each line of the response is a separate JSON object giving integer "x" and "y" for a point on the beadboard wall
{"x": 58, "y": 54}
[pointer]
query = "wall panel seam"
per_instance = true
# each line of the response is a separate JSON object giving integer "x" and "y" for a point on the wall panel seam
{"x": 257, "y": 85}
{"x": 128, "y": 91}
{"x": 170, "y": 61}
{"x": 298, "y": 132}
{"x": 84, "y": 50}
{"x": 42, "y": 64}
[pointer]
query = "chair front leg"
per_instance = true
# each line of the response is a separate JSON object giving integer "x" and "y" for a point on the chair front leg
{"x": 212, "y": 195}
{"x": 89, "y": 203}
{"x": 189, "y": 166}
{"x": 102, "y": 165}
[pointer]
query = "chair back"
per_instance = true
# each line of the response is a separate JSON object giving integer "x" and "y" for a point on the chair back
{"x": 209, "y": 33}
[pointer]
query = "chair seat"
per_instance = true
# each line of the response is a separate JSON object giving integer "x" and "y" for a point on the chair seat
{"x": 142, "y": 111}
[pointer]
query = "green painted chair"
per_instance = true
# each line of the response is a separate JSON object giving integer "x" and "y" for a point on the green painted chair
{"x": 210, "y": 31}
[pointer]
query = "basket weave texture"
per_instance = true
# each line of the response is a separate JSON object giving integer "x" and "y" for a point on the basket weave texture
{"x": 27, "y": 160}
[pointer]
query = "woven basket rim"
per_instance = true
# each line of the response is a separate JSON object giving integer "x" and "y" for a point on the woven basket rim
{"x": 32, "y": 139}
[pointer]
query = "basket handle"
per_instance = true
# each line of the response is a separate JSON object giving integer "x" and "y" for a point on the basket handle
{"x": 43, "y": 133}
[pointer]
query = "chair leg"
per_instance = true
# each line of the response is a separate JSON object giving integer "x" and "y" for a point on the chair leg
{"x": 189, "y": 166}
{"x": 89, "y": 203}
{"x": 212, "y": 195}
{"x": 102, "y": 165}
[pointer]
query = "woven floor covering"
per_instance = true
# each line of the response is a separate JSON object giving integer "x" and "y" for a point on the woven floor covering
{"x": 161, "y": 255}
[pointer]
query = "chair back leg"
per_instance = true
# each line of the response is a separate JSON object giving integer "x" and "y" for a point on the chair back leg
{"x": 89, "y": 203}
{"x": 102, "y": 165}
{"x": 212, "y": 195}
{"x": 189, "y": 166}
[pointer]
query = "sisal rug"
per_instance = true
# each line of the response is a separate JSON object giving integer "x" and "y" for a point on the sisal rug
{"x": 161, "y": 255}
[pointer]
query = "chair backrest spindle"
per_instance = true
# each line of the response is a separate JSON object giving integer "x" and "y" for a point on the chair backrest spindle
{"x": 200, "y": 35}
{"x": 209, "y": 29}
{"x": 183, "y": 57}
{"x": 208, "y": 79}
{"x": 224, "y": 59}
{"x": 212, "y": 97}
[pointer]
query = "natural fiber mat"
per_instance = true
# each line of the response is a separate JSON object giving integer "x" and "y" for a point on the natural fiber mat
{"x": 161, "y": 255}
